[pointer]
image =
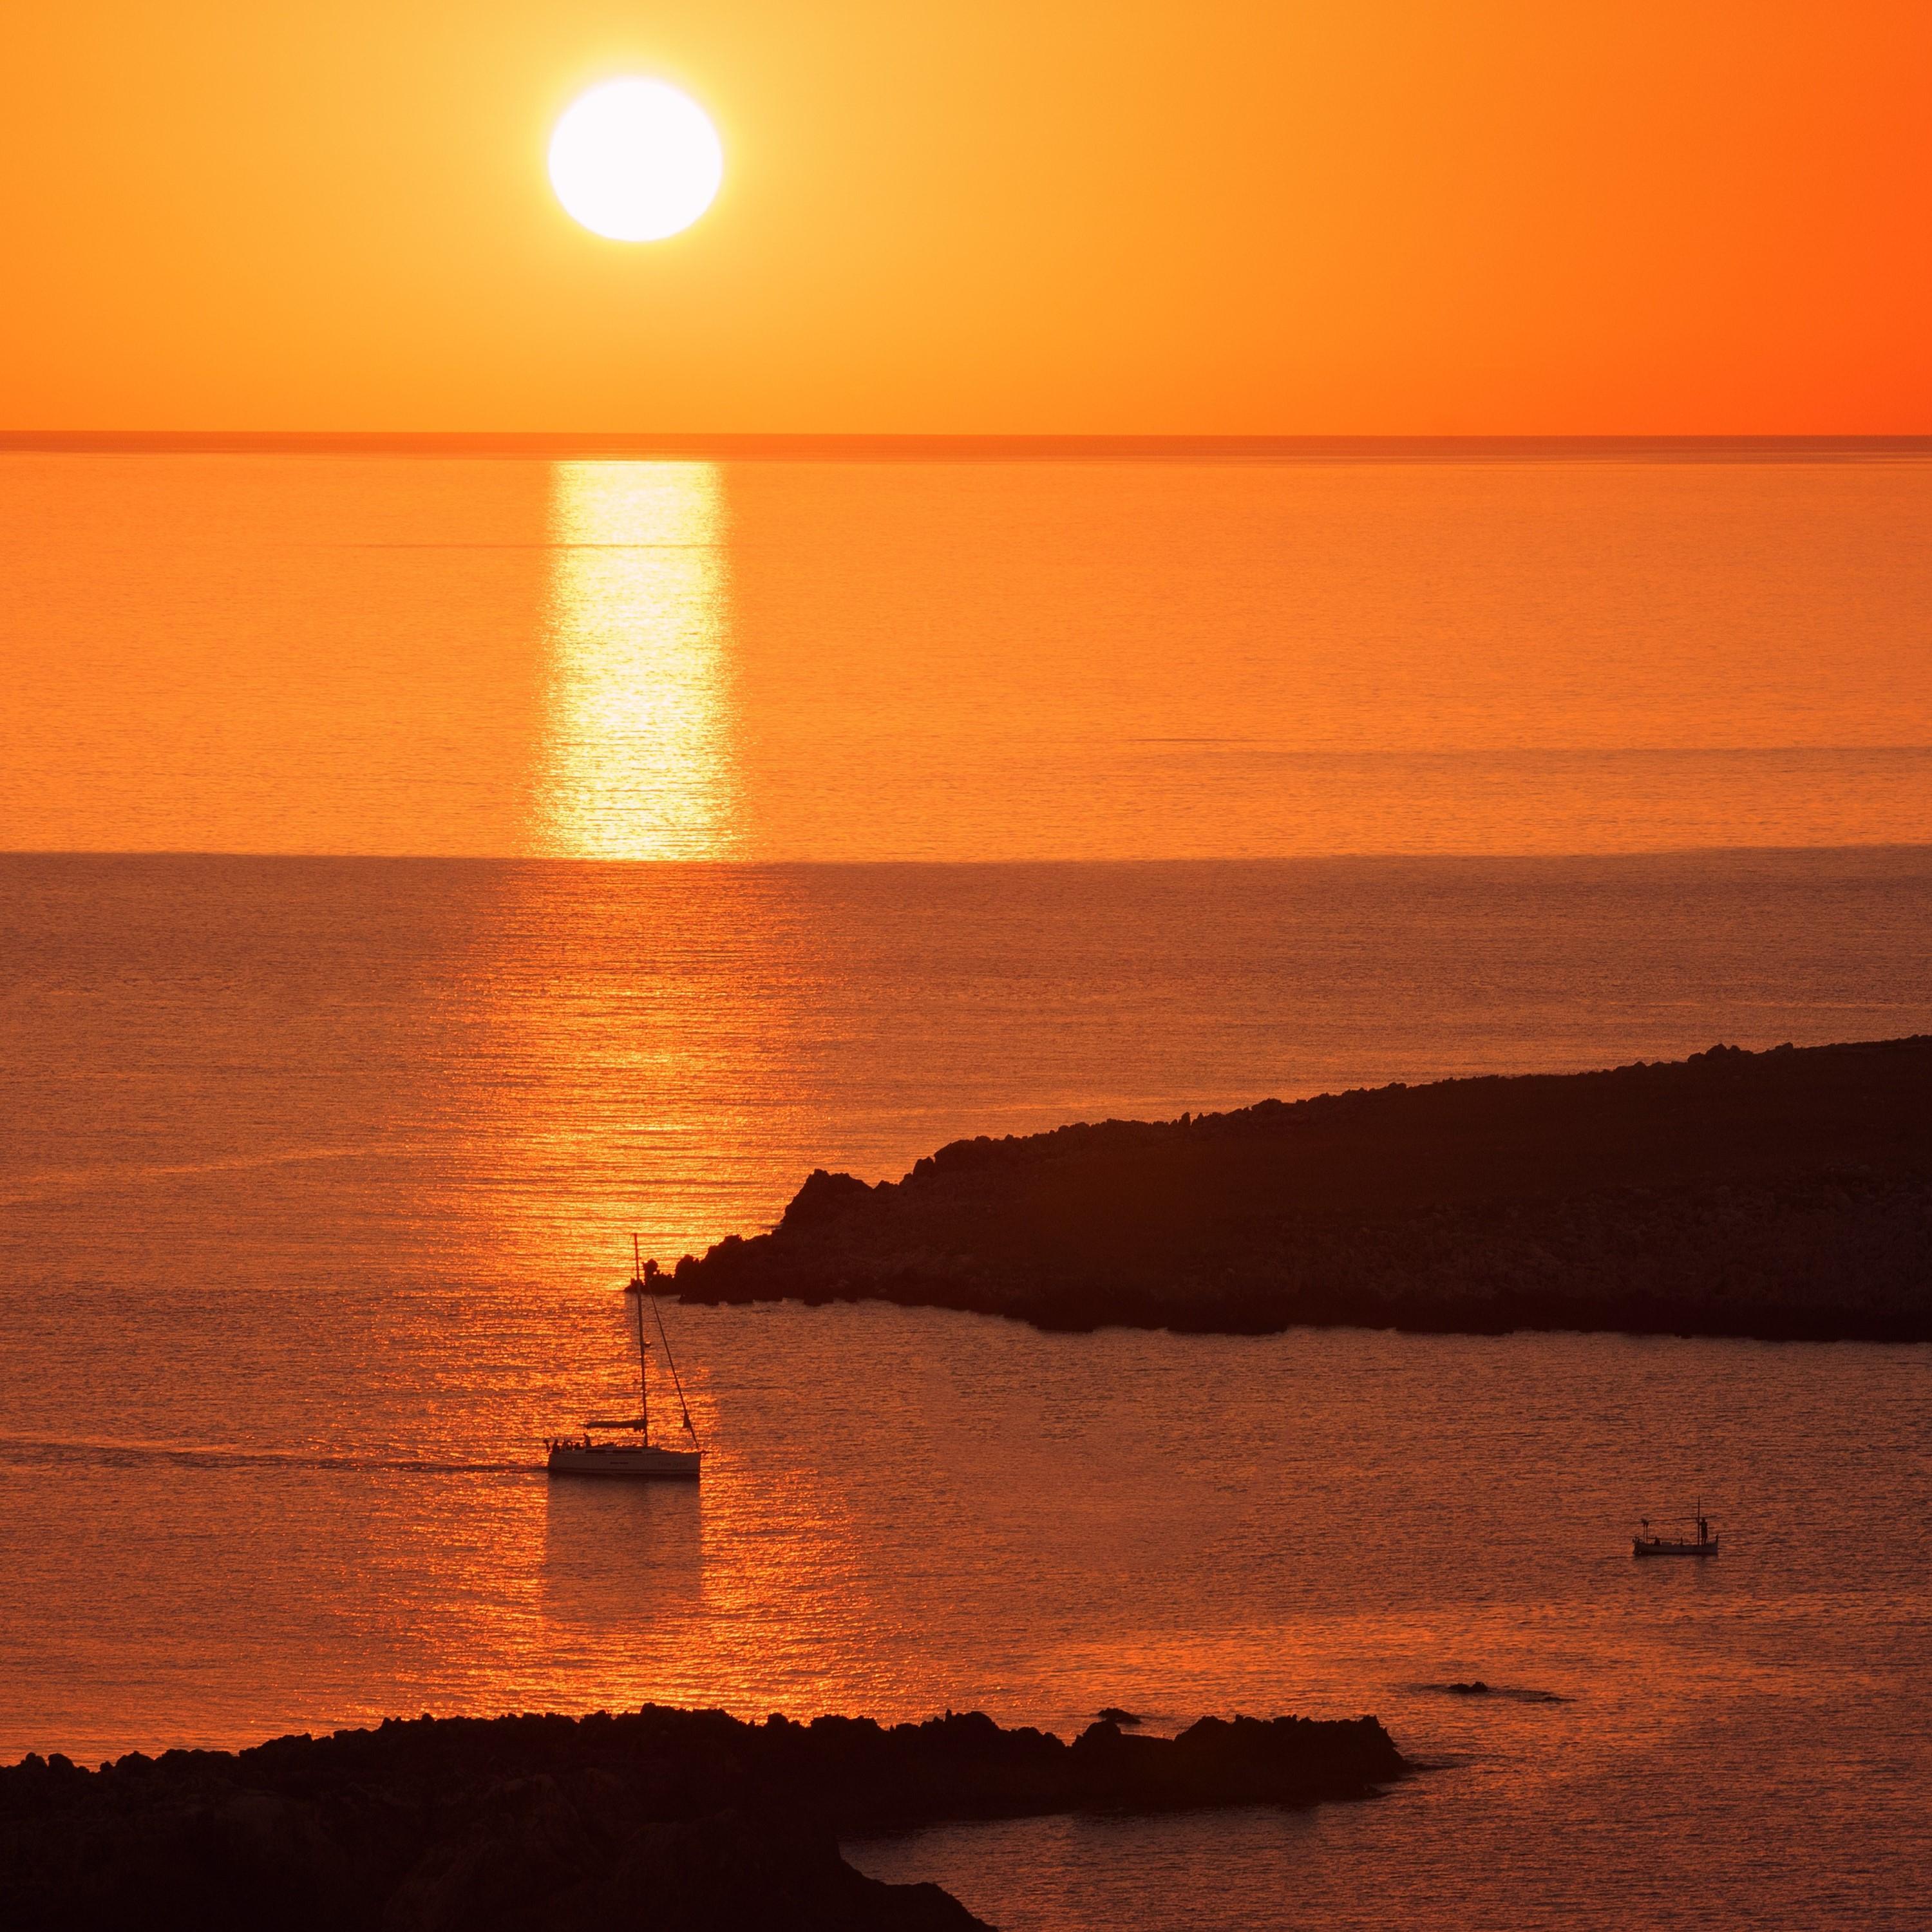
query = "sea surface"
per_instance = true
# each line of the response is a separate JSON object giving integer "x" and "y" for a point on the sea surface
{"x": 345, "y": 1041}
{"x": 976, "y": 662}
{"x": 316, "y": 1181}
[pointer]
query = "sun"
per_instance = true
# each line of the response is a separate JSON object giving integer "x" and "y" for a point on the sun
{"x": 635, "y": 161}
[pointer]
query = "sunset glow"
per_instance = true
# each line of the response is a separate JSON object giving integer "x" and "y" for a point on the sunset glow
{"x": 1397, "y": 218}
{"x": 913, "y": 1043}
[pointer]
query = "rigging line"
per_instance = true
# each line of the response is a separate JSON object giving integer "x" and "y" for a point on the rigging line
{"x": 670, "y": 1362}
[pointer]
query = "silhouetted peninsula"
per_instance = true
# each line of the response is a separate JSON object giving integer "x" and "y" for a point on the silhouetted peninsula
{"x": 685, "y": 1821}
{"x": 1786, "y": 1195}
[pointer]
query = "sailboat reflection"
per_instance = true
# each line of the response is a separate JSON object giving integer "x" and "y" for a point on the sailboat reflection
{"x": 617, "y": 1553}
{"x": 638, "y": 762}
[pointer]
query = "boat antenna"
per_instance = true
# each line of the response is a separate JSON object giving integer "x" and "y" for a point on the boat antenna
{"x": 671, "y": 1361}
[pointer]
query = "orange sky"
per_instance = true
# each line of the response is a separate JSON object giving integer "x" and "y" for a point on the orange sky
{"x": 1366, "y": 216}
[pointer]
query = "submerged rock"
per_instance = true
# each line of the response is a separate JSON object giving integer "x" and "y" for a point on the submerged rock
{"x": 1476, "y": 1688}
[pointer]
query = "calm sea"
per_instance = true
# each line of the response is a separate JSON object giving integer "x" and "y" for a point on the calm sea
{"x": 864, "y": 661}
{"x": 318, "y": 1167}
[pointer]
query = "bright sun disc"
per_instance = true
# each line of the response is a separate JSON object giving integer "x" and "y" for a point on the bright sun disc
{"x": 635, "y": 161}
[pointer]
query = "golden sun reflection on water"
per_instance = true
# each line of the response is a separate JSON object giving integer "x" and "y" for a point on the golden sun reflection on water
{"x": 637, "y": 760}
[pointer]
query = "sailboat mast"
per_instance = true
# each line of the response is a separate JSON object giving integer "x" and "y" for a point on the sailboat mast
{"x": 643, "y": 1380}
{"x": 636, "y": 1291}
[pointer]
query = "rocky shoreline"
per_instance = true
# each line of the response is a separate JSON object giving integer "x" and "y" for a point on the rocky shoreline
{"x": 1783, "y": 1195}
{"x": 685, "y": 1821}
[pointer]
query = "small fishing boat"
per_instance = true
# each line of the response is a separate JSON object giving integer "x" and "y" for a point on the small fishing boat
{"x": 1704, "y": 1543}
{"x": 622, "y": 1445}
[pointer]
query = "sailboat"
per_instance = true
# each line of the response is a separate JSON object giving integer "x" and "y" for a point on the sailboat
{"x": 622, "y": 1446}
{"x": 1705, "y": 1543}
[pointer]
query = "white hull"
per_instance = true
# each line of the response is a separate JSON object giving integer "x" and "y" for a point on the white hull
{"x": 623, "y": 1459}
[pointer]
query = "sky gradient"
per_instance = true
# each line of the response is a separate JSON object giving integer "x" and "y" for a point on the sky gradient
{"x": 1384, "y": 217}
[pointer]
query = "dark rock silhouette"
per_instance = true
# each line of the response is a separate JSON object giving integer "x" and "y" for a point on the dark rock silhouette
{"x": 1114, "y": 1715}
{"x": 1785, "y": 1195}
{"x": 682, "y": 1821}
{"x": 1478, "y": 1688}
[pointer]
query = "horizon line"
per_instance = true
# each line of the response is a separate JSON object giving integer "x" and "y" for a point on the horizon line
{"x": 867, "y": 446}
{"x": 729, "y": 863}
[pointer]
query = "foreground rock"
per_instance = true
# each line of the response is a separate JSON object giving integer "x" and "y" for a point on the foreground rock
{"x": 1785, "y": 1195}
{"x": 675, "y": 1821}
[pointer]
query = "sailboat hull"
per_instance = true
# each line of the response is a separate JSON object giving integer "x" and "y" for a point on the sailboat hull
{"x": 628, "y": 1460}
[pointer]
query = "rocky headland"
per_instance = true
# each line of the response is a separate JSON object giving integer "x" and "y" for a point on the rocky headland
{"x": 680, "y": 1821}
{"x": 1785, "y": 1195}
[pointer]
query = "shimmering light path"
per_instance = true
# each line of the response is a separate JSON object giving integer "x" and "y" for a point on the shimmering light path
{"x": 637, "y": 751}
